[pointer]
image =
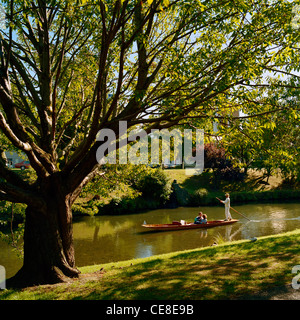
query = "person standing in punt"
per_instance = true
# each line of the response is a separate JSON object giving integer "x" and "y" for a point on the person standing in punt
{"x": 227, "y": 207}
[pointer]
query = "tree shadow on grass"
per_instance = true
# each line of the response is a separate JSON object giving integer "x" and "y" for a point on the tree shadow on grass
{"x": 184, "y": 280}
{"x": 221, "y": 272}
{"x": 217, "y": 273}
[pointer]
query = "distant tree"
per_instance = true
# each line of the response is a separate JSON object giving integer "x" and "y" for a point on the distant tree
{"x": 214, "y": 156}
{"x": 270, "y": 142}
{"x": 223, "y": 168}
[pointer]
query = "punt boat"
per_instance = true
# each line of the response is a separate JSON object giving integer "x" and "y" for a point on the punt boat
{"x": 176, "y": 225}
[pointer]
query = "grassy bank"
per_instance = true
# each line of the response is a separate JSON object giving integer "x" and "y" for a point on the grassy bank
{"x": 226, "y": 271}
{"x": 203, "y": 189}
{"x": 254, "y": 181}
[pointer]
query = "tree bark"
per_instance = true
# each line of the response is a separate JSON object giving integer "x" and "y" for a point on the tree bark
{"x": 48, "y": 242}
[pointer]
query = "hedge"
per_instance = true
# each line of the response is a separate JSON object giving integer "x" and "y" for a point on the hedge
{"x": 202, "y": 197}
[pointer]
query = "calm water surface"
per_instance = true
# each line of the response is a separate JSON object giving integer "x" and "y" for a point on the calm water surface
{"x": 105, "y": 239}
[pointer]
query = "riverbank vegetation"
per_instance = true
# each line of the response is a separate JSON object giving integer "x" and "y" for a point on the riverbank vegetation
{"x": 234, "y": 270}
{"x": 150, "y": 189}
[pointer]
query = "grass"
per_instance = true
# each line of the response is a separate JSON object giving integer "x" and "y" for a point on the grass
{"x": 227, "y": 271}
{"x": 253, "y": 182}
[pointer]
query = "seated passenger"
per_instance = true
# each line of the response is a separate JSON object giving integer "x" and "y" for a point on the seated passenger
{"x": 198, "y": 219}
{"x": 204, "y": 218}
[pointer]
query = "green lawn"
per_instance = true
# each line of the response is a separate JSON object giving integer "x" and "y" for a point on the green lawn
{"x": 226, "y": 271}
{"x": 253, "y": 182}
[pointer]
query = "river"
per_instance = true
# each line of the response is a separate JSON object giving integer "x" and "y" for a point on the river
{"x": 103, "y": 239}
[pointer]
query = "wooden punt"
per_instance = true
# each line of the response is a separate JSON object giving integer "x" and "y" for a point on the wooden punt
{"x": 176, "y": 225}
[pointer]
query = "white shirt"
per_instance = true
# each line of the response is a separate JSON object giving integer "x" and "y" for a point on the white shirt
{"x": 227, "y": 202}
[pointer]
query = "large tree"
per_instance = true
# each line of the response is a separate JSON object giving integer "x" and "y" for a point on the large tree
{"x": 71, "y": 68}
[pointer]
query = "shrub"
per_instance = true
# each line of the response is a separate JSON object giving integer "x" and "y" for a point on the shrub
{"x": 127, "y": 205}
{"x": 203, "y": 197}
{"x": 154, "y": 185}
{"x": 215, "y": 158}
{"x": 200, "y": 197}
{"x": 231, "y": 173}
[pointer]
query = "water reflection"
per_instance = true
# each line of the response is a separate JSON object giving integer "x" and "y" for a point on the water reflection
{"x": 107, "y": 239}
{"x": 143, "y": 250}
{"x": 278, "y": 221}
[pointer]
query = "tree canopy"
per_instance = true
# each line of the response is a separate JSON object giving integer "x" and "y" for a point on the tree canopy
{"x": 71, "y": 68}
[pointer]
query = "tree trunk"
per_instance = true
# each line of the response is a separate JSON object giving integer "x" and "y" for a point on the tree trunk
{"x": 48, "y": 243}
